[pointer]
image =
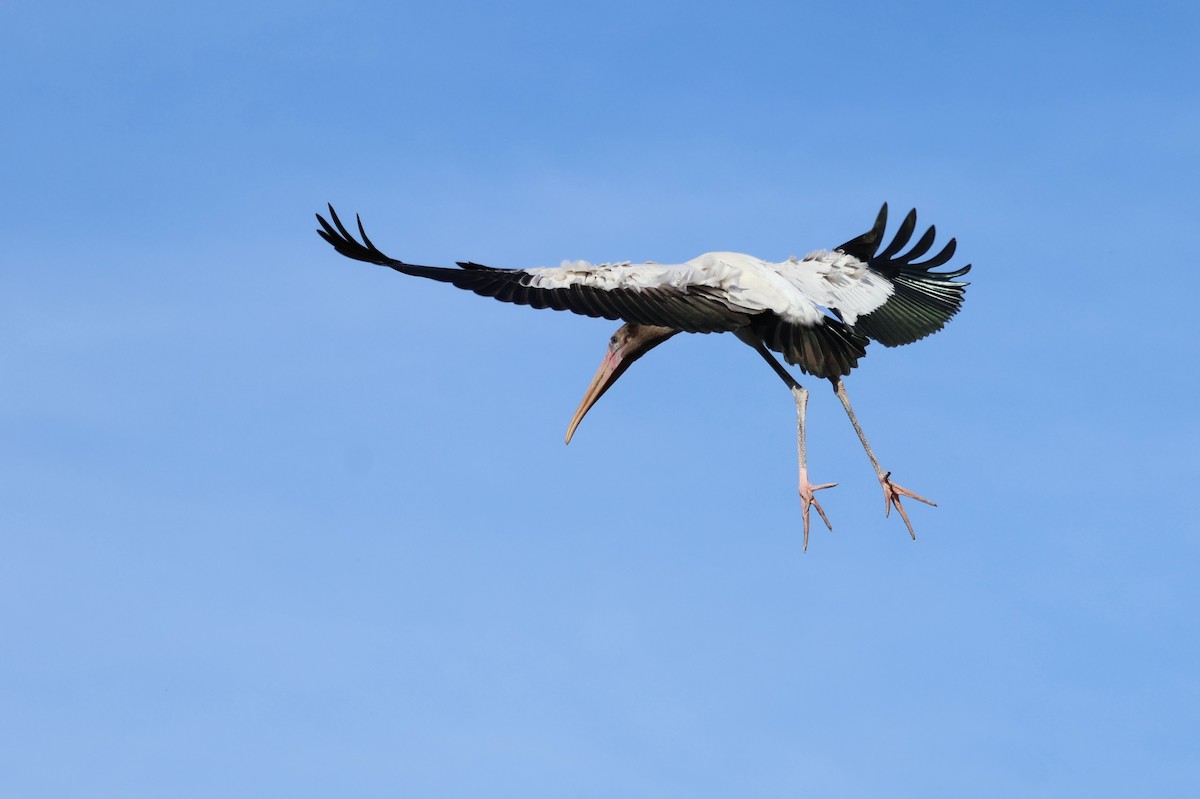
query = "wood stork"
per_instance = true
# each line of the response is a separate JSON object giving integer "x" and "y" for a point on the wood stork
{"x": 885, "y": 296}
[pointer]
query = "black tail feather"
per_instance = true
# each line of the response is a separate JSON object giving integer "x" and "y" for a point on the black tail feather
{"x": 829, "y": 349}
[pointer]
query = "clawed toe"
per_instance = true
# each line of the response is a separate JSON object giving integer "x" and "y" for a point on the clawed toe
{"x": 807, "y": 500}
{"x": 891, "y": 496}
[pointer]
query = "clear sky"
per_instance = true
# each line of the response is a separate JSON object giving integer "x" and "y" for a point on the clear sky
{"x": 275, "y": 523}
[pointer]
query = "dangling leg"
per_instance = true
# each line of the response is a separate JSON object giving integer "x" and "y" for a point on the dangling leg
{"x": 891, "y": 491}
{"x": 800, "y": 395}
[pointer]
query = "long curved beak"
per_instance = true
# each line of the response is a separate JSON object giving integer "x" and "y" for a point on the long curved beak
{"x": 626, "y": 346}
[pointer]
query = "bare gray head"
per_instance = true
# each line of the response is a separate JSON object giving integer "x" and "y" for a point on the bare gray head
{"x": 628, "y": 344}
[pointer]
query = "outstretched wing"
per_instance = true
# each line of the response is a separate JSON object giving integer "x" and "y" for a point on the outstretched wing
{"x": 923, "y": 300}
{"x": 665, "y": 306}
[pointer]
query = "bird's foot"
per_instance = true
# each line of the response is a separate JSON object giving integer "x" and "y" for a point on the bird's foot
{"x": 891, "y": 496}
{"x": 808, "y": 500}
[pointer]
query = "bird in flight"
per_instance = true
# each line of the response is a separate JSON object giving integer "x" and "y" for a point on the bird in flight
{"x": 819, "y": 312}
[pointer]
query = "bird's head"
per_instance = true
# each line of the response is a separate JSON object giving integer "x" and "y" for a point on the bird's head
{"x": 628, "y": 344}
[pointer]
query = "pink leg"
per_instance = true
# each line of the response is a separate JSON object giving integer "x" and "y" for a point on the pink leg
{"x": 891, "y": 491}
{"x": 800, "y": 395}
{"x": 807, "y": 499}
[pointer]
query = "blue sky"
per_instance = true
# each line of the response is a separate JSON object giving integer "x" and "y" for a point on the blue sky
{"x": 277, "y": 523}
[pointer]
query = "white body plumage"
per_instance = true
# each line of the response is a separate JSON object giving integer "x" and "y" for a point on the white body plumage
{"x": 795, "y": 289}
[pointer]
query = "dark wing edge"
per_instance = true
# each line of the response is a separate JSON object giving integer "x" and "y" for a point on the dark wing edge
{"x": 829, "y": 349}
{"x": 665, "y": 307}
{"x": 923, "y": 300}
